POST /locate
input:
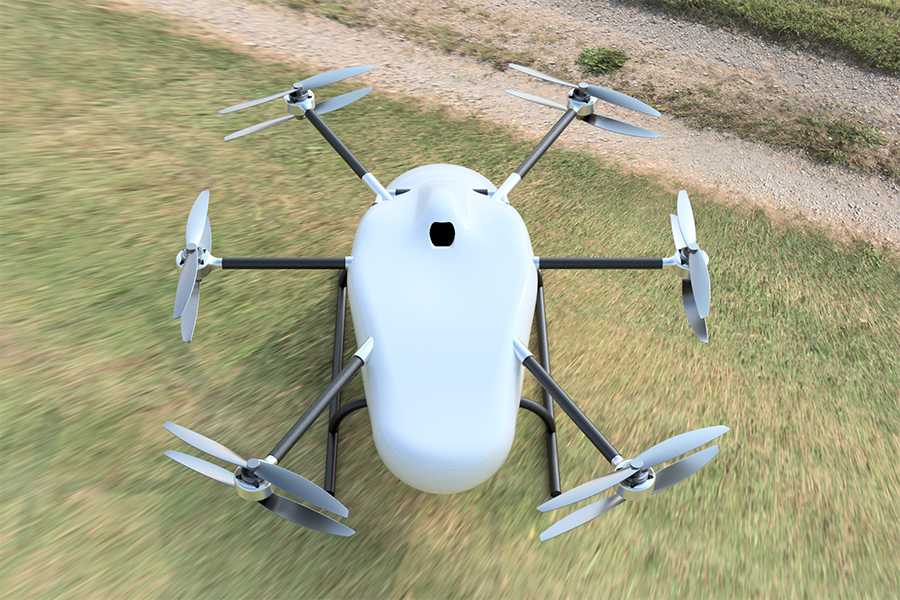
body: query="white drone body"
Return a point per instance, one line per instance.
(443, 288)
(442, 384)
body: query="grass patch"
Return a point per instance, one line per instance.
(802, 363)
(866, 31)
(451, 41)
(436, 36)
(600, 60)
(351, 13)
(825, 137)
(836, 141)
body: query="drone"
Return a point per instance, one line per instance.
(443, 288)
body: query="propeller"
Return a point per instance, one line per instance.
(259, 127)
(321, 108)
(290, 482)
(601, 93)
(282, 478)
(537, 100)
(310, 83)
(695, 290)
(690, 309)
(326, 106)
(281, 506)
(197, 245)
(595, 120)
(619, 127)
(636, 477)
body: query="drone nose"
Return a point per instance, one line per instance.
(442, 234)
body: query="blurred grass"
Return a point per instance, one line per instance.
(109, 132)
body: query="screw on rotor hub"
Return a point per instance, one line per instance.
(638, 478)
(639, 485)
(248, 474)
(580, 93)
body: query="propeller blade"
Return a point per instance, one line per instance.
(586, 490)
(305, 517)
(676, 233)
(204, 444)
(256, 102)
(298, 486)
(259, 127)
(620, 99)
(686, 218)
(322, 79)
(326, 106)
(201, 466)
(619, 127)
(186, 283)
(536, 100)
(684, 468)
(196, 222)
(680, 444)
(540, 75)
(700, 282)
(206, 238)
(690, 309)
(189, 316)
(582, 516)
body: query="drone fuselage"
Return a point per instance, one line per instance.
(443, 279)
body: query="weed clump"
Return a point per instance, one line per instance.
(601, 60)
(837, 141)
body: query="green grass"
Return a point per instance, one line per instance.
(867, 31)
(600, 60)
(109, 132)
(823, 136)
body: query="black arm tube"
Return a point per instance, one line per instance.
(580, 419)
(545, 143)
(331, 447)
(337, 144)
(600, 263)
(318, 407)
(540, 314)
(284, 263)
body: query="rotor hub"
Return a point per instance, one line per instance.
(640, 485)
(581, 102)
(250, 486)
(204, 259)
(299, 102)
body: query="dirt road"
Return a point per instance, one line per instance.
(667, 52)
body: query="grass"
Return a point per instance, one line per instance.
(440, 37)
(600, 60)
(867, 31)
(451, 41)
(823, 136)
(351, 13)
(97, 184)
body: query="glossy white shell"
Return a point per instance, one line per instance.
(442, 384)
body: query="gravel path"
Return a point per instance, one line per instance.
(674, 54)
